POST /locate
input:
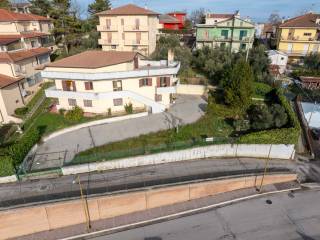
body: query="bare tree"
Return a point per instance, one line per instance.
(198, 16)
(274, 18)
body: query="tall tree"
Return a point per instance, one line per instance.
(259, 62)
(198, 16)
(239, 88)
(40, 7)
(95, 7)
(5, 4)
(274, 18)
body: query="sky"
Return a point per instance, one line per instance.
(258, 10)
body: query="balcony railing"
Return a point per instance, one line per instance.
(135, 28)
(301, 39)
(108, 42)
(105, 28)
(136, 42)
(220, 39)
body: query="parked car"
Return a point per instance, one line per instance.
(315, 132)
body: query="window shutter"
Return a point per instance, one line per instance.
(140, 82)
(86, 85)
(74, 86)
(158, 81)
(168, 81)
(64, 85)
(149, 81)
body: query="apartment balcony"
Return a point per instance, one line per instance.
(224, 39)
(300, 39)
(136, 43)
(105, 28)
(295, 53)
(169, 89)
(108, 42)
(134, 28)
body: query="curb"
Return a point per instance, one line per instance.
(174, 216)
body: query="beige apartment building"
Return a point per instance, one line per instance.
(129, 28)
(104, 81)
(25, 46)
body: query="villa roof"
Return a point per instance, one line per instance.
(220, 15)
(15, 37)
(22, 54)
(8, 40)
(309, 79)
(94, 59)
(7, 16)
(164, 18)
(307, 20)
(7, 80)
(129, 9)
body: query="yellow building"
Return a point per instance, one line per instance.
(129, 28)
(299, 36)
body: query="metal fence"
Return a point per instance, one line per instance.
(148, 149)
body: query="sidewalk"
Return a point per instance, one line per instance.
(149, 215)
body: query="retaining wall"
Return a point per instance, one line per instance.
(189, 89)
(25, 221)
(223, 150)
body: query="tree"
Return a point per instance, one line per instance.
(182, 54)
(312, 61)
(259, 62)
(5, 4)
(260, 117)
(239, 88)
(40, 7)
(94, 8)
(279, 115)
(274, 18)
(198, 16)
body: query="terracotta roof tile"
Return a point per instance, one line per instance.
(309, 79)
(7, 16)
(129, 9)
(94, 59)
(168, 19)
(7, 80)
(307, 20)
(23, 54)
(8, 40)
(4, 38)
(220, 15)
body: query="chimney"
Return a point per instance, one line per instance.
(170, 56)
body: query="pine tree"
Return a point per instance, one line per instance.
(239, 88)
(5, 4)
(40, 7)
(95, 7)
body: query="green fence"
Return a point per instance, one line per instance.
(148, 149)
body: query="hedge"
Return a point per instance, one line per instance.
(14, 154)
(287, 135)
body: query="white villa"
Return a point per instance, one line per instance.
(102, 81)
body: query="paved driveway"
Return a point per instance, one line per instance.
(55, 151)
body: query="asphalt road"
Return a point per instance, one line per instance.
(33, 191)
(286, 217)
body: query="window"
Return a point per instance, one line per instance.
(158, 98)
(113, 46)
(145, 82)
(138, 37)
(206, 34)
(69, 85)
(224, 34)
(307, 34)
(123, 36)
(88, 85)
(108, 23)
(243, 34)
(163, 82)
(109, 36)
(72, 102)
(122, 21)
(33, 44)
(243, 46)
(31, 82)
(137, 24)
(215, 21)
(87, 103)
(117, 85)
(117, 102)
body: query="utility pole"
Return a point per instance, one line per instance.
(265, 169)
(85, 206)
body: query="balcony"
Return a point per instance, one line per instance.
(136, 43)
(105, 28)
(300, 39)
(170, 89)
(108, 42)
(134, 28)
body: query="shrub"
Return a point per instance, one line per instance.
(287, 135)
(109, 112)
(75, 114)
(62, 111)
(6, 166)
(261, 89)
(21, 111)
(128, 108)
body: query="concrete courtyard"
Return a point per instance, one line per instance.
(61, 149)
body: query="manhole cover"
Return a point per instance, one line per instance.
(268, 201)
